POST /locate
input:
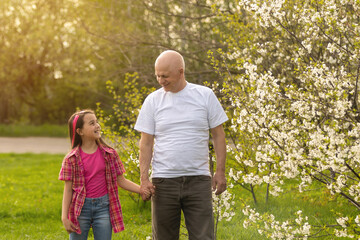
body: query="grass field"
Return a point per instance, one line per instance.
(45, 130)
(30, 204)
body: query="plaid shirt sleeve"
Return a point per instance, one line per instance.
(119, 167)
(66, 170)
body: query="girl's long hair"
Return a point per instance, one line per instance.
(80, 124)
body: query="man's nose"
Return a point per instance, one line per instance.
(161, 80)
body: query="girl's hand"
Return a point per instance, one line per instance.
(146, 196)
(147, 190)
(69, 226)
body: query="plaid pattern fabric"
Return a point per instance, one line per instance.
(72, 169)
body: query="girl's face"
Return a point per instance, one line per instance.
(91, 129)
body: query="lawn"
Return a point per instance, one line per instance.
(45, 130)
(30, 204)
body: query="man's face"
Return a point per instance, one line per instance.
(169, 78)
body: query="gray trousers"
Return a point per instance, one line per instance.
(192, 195)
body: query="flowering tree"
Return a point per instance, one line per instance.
(117, 126)
(291, 72)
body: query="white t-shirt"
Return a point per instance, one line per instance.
(180, 123)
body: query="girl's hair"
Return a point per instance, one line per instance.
(79, 118)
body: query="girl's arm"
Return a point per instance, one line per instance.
(69, 226)
(127, 184)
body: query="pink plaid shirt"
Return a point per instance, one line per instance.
(72, 169)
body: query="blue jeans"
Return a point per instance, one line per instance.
(95, 214)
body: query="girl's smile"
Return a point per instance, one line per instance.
(91, 129)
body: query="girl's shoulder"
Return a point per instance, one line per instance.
(71, 156)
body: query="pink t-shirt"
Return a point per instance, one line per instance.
(94, 172)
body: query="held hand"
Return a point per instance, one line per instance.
(219, 183)
(147, 189)
(69, 226)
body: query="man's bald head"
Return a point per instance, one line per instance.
(170, 71)
(170, 59)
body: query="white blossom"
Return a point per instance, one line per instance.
(293, 100)
(342, 221)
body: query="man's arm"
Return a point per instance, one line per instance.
(145, 155)
(219, 179)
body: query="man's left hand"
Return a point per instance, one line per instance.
(219, 183)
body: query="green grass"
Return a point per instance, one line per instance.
(317, 204)
(31, 195)
(45, 130)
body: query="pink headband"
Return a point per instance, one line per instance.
(74, 129)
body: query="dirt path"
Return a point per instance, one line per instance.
(34, 145)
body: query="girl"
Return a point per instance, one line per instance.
(91, 171)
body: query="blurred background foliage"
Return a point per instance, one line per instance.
(57, 55)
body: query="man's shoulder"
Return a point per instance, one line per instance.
(199, 87)
(155, 93)
(152, 98)
(200, 90)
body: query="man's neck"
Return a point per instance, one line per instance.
(182, 85)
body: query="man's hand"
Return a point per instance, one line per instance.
(219, 183)
(147, 190)
(219, 179)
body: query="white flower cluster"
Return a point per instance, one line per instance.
(298, 228)
(222, 206)
(342, 221)
(262, 116)
(345, 222)
(357, 220)
(134, 159)
(235, 175)
(343, 233)
(295, 100)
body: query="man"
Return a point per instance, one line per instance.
(177, 118)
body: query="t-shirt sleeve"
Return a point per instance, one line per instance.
(216, 114)
(66, 170)
(145, 121)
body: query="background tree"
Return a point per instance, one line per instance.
(57, 55)
(45, 64)
(291, 72)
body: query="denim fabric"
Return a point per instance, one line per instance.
(190, 194)
(95, 214)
